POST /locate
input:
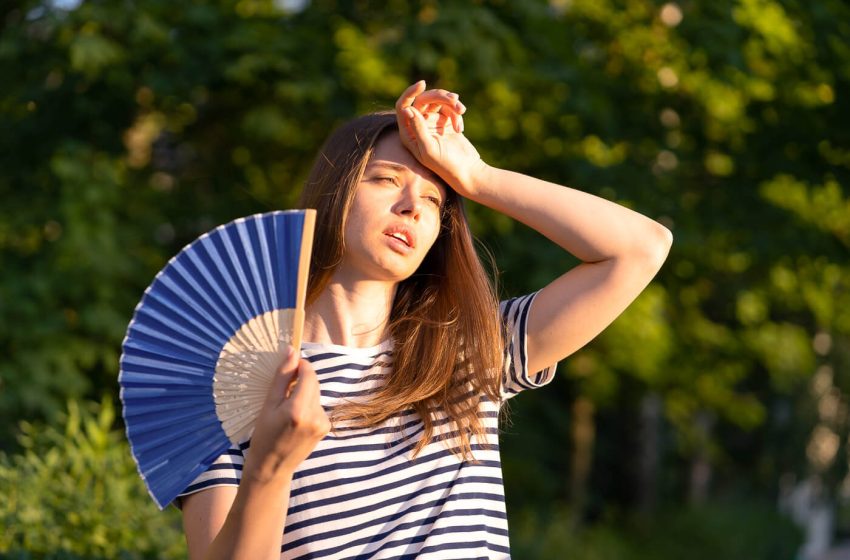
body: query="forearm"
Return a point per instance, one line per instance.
(621, 252)
(254, 526)
(250, 522)
(591, 228)
(246, 523)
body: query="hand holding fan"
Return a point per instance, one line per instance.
(205, 341)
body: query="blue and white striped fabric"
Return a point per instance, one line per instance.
(359, 495)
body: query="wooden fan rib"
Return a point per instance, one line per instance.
(238, 422)
(304, 255)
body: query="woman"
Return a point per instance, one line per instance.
(412, 358)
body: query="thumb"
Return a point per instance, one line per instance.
(283, 377)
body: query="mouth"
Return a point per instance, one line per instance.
(403, 235)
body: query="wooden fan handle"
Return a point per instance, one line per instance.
(303, 271)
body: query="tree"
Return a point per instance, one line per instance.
(126, 131)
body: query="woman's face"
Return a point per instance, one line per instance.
(394, 218)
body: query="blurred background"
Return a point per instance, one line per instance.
(709, 422)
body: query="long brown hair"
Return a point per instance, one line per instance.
(447, 345)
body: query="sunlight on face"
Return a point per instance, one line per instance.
(395, 216)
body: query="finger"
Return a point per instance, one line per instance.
(283, 377)
(442, 119)
(307, 387)
(439, 97)
(304, 406)
(457, 122)
(408, 95)
(435, 95)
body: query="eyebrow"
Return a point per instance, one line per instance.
(403, 168)
(395, 166)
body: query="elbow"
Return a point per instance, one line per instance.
(666, 239)
(655, 246)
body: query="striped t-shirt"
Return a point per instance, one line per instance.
(359, 494)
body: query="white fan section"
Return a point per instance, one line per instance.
(245, 368)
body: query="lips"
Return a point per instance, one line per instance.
(403, 234)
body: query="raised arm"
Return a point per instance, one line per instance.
(621, 250)
(248, 523)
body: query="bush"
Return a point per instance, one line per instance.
(76, 493)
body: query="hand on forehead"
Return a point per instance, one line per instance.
(390, 151)
(436, 105)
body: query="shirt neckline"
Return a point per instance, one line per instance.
(316, 347)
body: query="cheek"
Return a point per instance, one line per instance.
(352, 230)
(355, 220)
(434, 233)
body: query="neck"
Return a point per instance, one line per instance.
(350, 313)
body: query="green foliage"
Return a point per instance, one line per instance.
(74, 492)
(128, 129)
(735, 531)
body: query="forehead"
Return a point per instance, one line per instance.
(390, 152)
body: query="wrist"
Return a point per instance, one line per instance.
(472, 183)
(266, 473)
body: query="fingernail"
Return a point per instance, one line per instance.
(289, 351)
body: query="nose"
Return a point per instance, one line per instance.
(409, 203)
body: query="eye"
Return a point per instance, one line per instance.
(437, 202)
(387, 179)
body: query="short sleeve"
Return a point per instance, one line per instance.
(515, 375)
(226, 470)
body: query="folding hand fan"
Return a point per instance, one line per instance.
(205, 341)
